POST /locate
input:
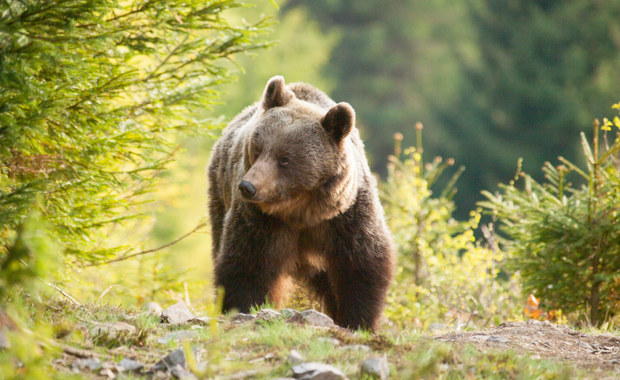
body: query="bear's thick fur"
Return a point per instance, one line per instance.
(291, 197)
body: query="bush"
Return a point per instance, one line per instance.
(444, 274)
(565, 238)
(93, 97)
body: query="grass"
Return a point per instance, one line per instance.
(263, 346)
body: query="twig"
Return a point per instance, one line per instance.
(54, 286)
(61, 292)
(199, 226)
(78, 352)
(105, 292)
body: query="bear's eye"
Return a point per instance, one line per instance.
(282, 162)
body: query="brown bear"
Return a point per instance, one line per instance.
(291, 197)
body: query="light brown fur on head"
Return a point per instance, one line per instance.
(293, 138)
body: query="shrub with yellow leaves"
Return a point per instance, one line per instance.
(445, 275)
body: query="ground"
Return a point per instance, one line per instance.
(94, 340)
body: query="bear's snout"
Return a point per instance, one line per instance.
(247, 189)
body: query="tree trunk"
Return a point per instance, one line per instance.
(594, 298)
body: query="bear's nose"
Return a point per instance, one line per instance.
(247, 189)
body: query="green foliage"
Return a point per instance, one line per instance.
(391, 61)
(497, 79)
(29, 253)
(540, 71)
(93, 95)
(301, 50)
(444, 274)
(565, 238)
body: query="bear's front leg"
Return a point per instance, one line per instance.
(250, 265)
(361, 269)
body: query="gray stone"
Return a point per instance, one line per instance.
(129, 365)
(585, 346)
(242, 317)
(176, 357)
(267, 315)
(114, 329)
(107, 372)
(313, 318)
(478, 338)
(294, 358)
(317, 371)
(377, 368)
(153, 308)
(178, 336)
(497, 339)
(330, 341)
(178, 372)
(91, 364)
(287, 313)
(202, 321)
(177, 314)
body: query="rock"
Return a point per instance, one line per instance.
(176, 357)
(287, 313)
(478, 338)
(178, 372)
(153, 308)
(129, 365)
(107, 372)
(114, 329)
(242, 317)
(267, 357)
(585, 346)
(91, 364)
(357, 347)
(177, 314)
(313, 318)
(377, 368)
(330, 341)
(202, 321)
(497, 339)
(267, 315)
(294, 358)
(178, 336)
(317, 371)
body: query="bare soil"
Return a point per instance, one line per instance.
(546, 340)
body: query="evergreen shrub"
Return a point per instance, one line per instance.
(563, 234)
(94, 97)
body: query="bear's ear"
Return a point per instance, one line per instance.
(276, 93)
(339, 121)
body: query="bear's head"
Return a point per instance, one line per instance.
(297, 157)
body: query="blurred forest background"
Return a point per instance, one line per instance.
(108, 111)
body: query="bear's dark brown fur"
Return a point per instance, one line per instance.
(292, 198)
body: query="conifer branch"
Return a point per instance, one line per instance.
(122, 258)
